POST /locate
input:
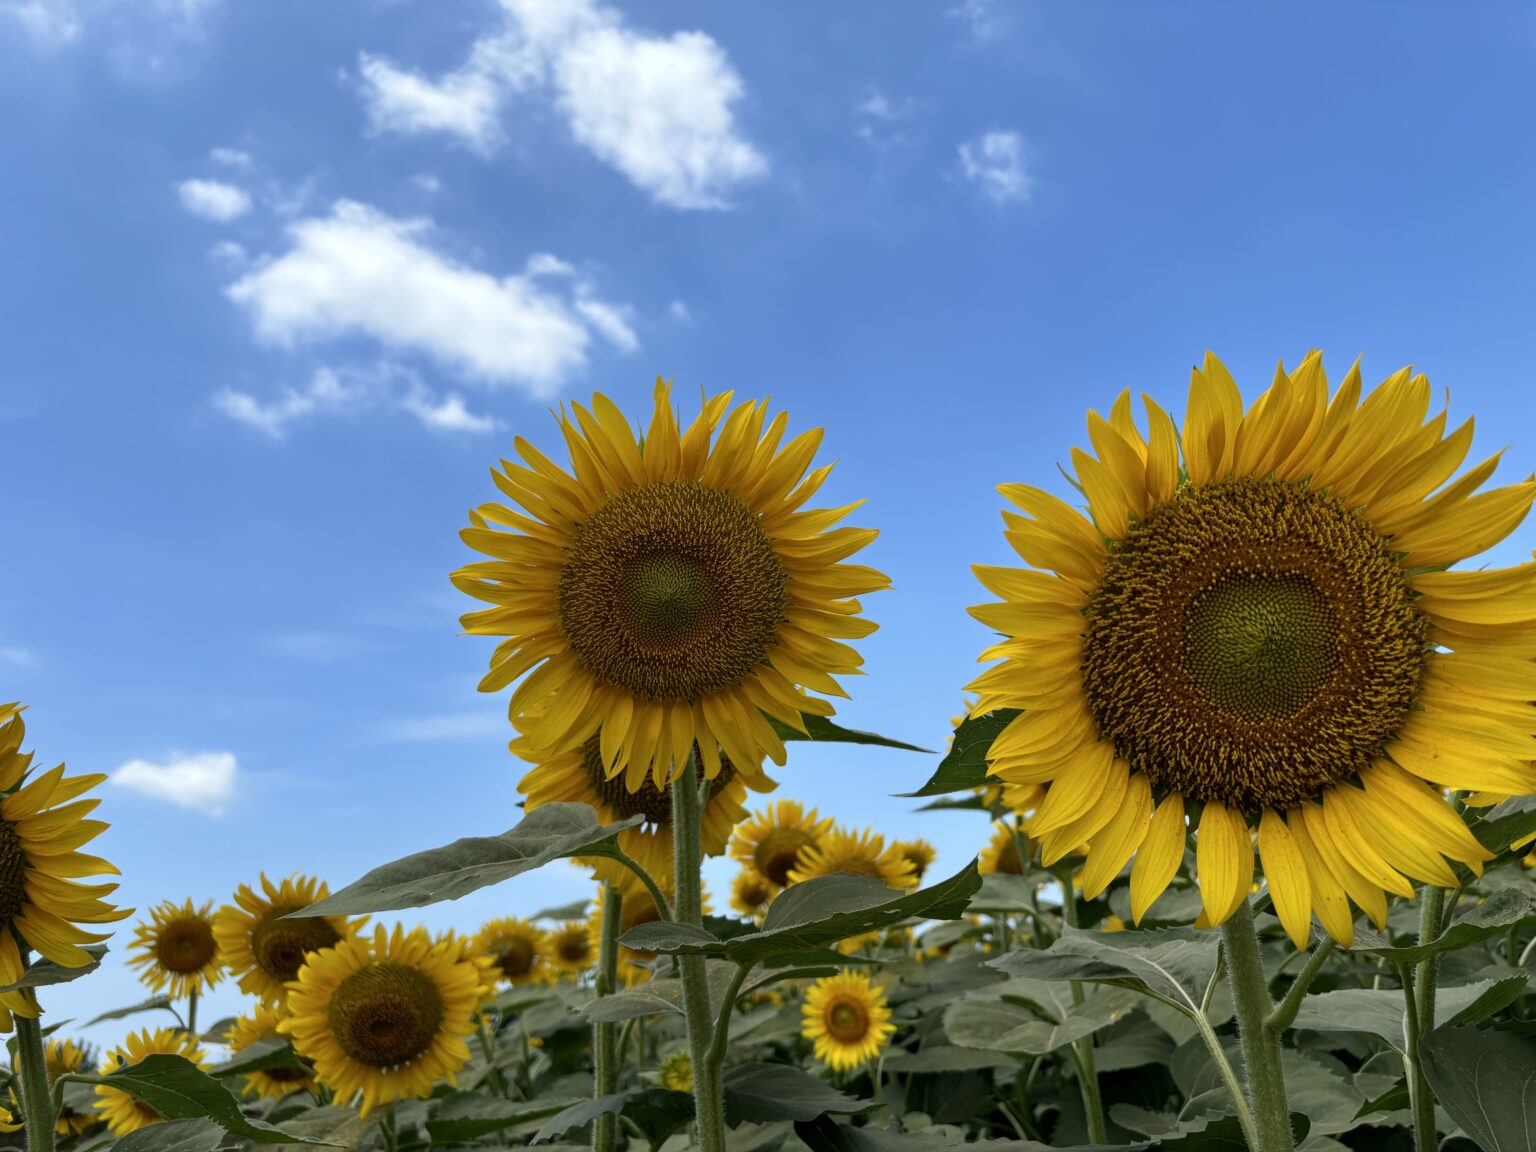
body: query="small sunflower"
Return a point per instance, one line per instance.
(752, 892)
(122, 1112)
(385, 1018)
(1002, 851)
(672, 592)
(677, 1072)
(264, 951)
(176, 951)
(847, 1018)
(771, 841)
(571, 948)
(268, 1083)
(920, 854)
(637, 909)
(63, 1056)
(1254, 630)
(519, 949)
(40, 830)
(857, 853)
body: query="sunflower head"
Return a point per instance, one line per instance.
(669, 589)
(1254, 628)
(1002, 851)
(122, 1112)
(518, 948)
(919, 853)
(847, 1019)
(176, 951)
(636, 909)
(752, 892)
(772, 840)
(268, 1083)
(571, 946)
(855, 853)
(262, 949)
(677, 1072)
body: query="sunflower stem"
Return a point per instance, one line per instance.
(657, 896)
(1419, 1017)
(1285, 1012)
(605, 1082)
(36, 1101)
(708, 1104)
(192, 1011)
(1261, 1043)
(1082, 1050)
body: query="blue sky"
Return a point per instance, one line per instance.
(280, 281)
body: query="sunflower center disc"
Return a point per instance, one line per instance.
(185, 946)
(672, 591)
(847, 1021)
(280, 946)
(1252, 642)
(13, 873)
(573, 948)
(654, 803)
(777, 852)
(385, 1015)
(516, 958)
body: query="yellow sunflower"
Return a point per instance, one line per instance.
(847, 1018)
(639, 908)
(571, 948)
(269, 1083)
(752, 892)
(1253, 628)
(176, 951)
(672, 592)
(858, 853)
(677, 1072)
(385, 1018)
(578, 776)
(1002, 851)
(8, 1122)
(122, 1112)
(63, 1056)
(519, 949)
(40, 830)
(264, 951)
(772, 840)
(920, 854)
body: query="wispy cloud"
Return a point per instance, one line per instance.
(232, 158)
(982, 18)
(878, 118)
(351, 391)
(202, 781)
(214, 200)
(57, 23)
(17, 656)
(446, 727)
(995, 163)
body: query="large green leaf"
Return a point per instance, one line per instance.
(823, 731)
(173, 1136)
(1486, 1080)
(465, 1116)
(549, 832)
(965, 764)
(45, 972)
(1032, 1018)
(1492, 917)
(1380, 1011)
(761, 1093)
(161, 1003)
(268, 1052)
(1503, 824)
(655, 1110)
(1175, 964)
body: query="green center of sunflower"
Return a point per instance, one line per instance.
(654, 803)
(847, 1021)
(385, 1015)
(280, 946)
(516, 957)
(777, 853)
(185, 945)
(1252, 642)
(672, 591)
(13, 873)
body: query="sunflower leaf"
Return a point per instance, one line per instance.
(45, 972)
(161, 1003)
(173, 1136)
(1492, 917)
(268, 1052)
(762, 1093)
(657, 1111)
(822, 731)
(550, 832)
(1505, 823)
(965, 764)
(1172, 964)
(1379, 1011)
(1486, 1080)
(1048, 1023)
(464, 1116)
(666, 937)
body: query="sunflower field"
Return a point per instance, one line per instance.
(1249, 764)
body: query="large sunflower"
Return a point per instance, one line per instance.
(267, 1083)
(1253, 628)
(856, 853)
(672, 591)
(385, 1019)
(262, 949)
(40, 830)
(847, 1018)
(176, 951)
(771, 842)
(123, 1112)
(519, 949)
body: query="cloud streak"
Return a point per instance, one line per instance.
(203, 781)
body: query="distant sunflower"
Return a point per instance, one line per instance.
(677, 1072)
(268, 1083)
(264, 951)
(671, 592)
(1002, 851)
(856, 853)
(520, 949)
(847, 1018)
(122, 1112)
(920, 854)
(772, 840)
(176, 951)
(571, 948)
(1253, 628)
(639, 908)
(385, 1019)
(63, 1056)
(752, 892)
(40, 830)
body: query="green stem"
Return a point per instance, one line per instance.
(387, 1128)
(722, 1033)
(1261, 1043)
(1284, 1014)
(192, 1011)
(1228, 1075)
(657, 896)
(605, 1129)
(32, 1078)
(708, 1103)
(1419, 1018)
(488, 1049)
(1082, 1050)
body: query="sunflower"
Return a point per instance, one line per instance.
(772, 840)
(40, 830)
(1254, 629)
(122, 1112)
(268, 1083)
(176, 951)
(920, 854)
(385, 1018)
(671, 592)
(858, 853)
(637, 909)
(262, 949)
(578, 776)
(1002, 851)
(847, 1018)
(677, 1072)
(8, 1122)
(752, 892)
(63, 1056)
(520, 950)
(571, 948)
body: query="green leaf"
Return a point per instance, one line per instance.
(1000, 1023)
(1005, 892)
(45, 972)
(575, 910)
(761, 1093)
(1504, 823)
(177, 1089)
(153, 1004)
(549, 832)
(1175, 964)
(648, 999)
(173, 1136)
(945, 1058)
(673, 939)
(1486, 1080)
(826, 1135)
(1393, 1099)
(1492, 917)
(269, 1052)
(955, 804)
(823, 731)
(653, 1109)
(965, 764)
(464, 1116)
(1380, 1011)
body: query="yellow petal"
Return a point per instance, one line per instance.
(1160, 855)
(1286, 871)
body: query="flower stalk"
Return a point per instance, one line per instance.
(1264, 1072)
(605, 1129)
(688, 908)
(32, 1077)
(1419, 1017)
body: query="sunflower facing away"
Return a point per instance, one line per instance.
(124, 1113)
(772, 840)
(920, 854)
(265, 951)
(267, 1083)
(518, 948)
(571, 947)
(385, 1018)
(847, 1018)
(1253, 628)
(673, 591)
(1002, 851)
(752, 892)
(856, 853)
(176, 951)
(41, 827)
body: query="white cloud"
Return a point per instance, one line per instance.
(346, 392)
(446, 415)
(48, 22)
(450, 726)
(231, 158)
(324, 394)
(428, 183)
(55, 23)
(658, 109)
(994, 162)
(16, 656)
(229, 254)
(680, 312)
(358, 272)
(982, 18)
(203, 781)
(608, 321)
(214, 200)
(877, 118)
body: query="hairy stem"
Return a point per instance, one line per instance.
(605, 1129)
(1261, 1043)
(32, 1079)
(1082, 1050)
(1419, 1018)
(1284, 1014)
(708, 1104)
